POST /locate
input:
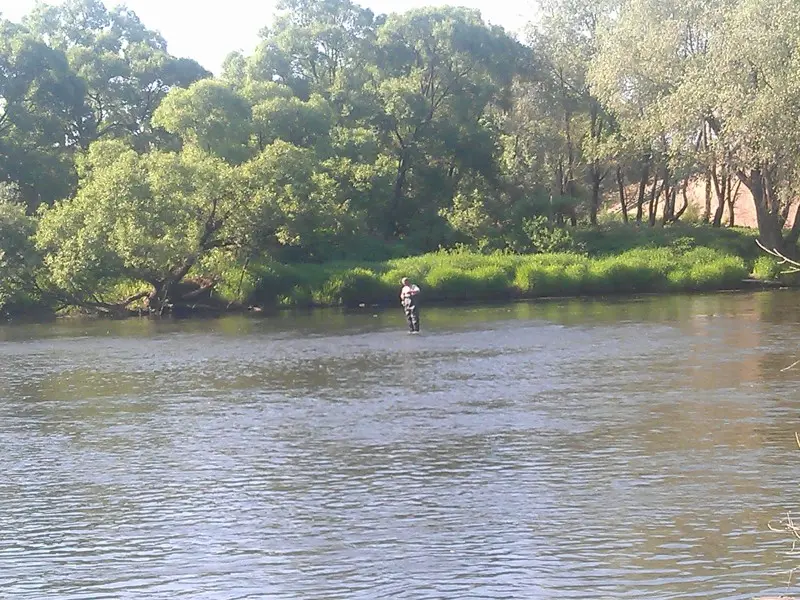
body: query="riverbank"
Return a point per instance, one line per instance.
(459, 276)
(612, 260)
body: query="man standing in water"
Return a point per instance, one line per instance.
(408, 296)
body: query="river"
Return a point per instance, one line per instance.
(629, 448)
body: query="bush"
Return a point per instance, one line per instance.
(535, 279)
(353, 287)
(767, 268)
(576, 277)
(490, 281)
(611, 275)
(461, 275)
(448, 283)
(616, 238)
(545, 237)
(273, 282)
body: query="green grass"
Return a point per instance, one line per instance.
(466, 276)
(615, 238)
(767, 268)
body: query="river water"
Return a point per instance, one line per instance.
(567, 449)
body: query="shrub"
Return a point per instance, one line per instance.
(448, 283)
(575, 278)
(354, 286)
(490, 281)
(543, 236)
(461, 275)
(537, 279)
(767, 268)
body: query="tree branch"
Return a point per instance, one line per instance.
(784, 260)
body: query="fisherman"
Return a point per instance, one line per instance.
(408, 296)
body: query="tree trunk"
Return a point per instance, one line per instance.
(721, 199)
(732, 193)
(622, 200)
(595, 202)
(685, 200)
(673, 194)
(642, 187)
(596, 129)
(721, 189)
(655, 193)
(393, 227)
(769, 229)
(794, 232)
(556, 213)
(717, 222)
(707, 207)
(669, 199)
(570, 182)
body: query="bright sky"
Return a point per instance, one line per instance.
(207, 31)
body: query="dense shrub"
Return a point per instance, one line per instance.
(544, 236)
(454, 276)
(767, 268)
(448, 283)
(616, 238)
(353, 287)
(490, 282)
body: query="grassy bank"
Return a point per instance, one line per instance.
(612, 259)
(457, 276)
(615, 238)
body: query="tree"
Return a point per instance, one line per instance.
(316, 46)
(302, 211)
(143, 217)
(753, 92)
(209, 115)
(39, 97)
(18, 257)
(125, 66)
(439, 72)
(716, 90)
(278, 114)
(566, 43)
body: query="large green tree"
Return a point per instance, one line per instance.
(125, 66)
(147, 218)
(440, 71)
(320, 46)
(19, 260)
(40, 96)
(565, 42)
(711, 86)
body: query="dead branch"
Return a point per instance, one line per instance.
(203, 288)
(787, 525)
(784, 260)
(791, 366)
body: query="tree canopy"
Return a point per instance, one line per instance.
(345, 132)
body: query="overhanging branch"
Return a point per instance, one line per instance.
(784, 260)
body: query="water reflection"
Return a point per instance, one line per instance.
(577, 448)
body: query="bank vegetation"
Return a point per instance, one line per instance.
(351, 148)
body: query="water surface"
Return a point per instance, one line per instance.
(577, 449)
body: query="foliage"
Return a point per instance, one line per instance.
(716, 92)
(18, 258)
(612, 239)
(464, 276)
(144, 217)
(360, 140)
(543, 236)
(769, 268)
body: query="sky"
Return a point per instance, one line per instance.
(202, 31)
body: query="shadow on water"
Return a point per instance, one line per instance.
(618, 448)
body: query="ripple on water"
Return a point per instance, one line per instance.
(500, 458)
